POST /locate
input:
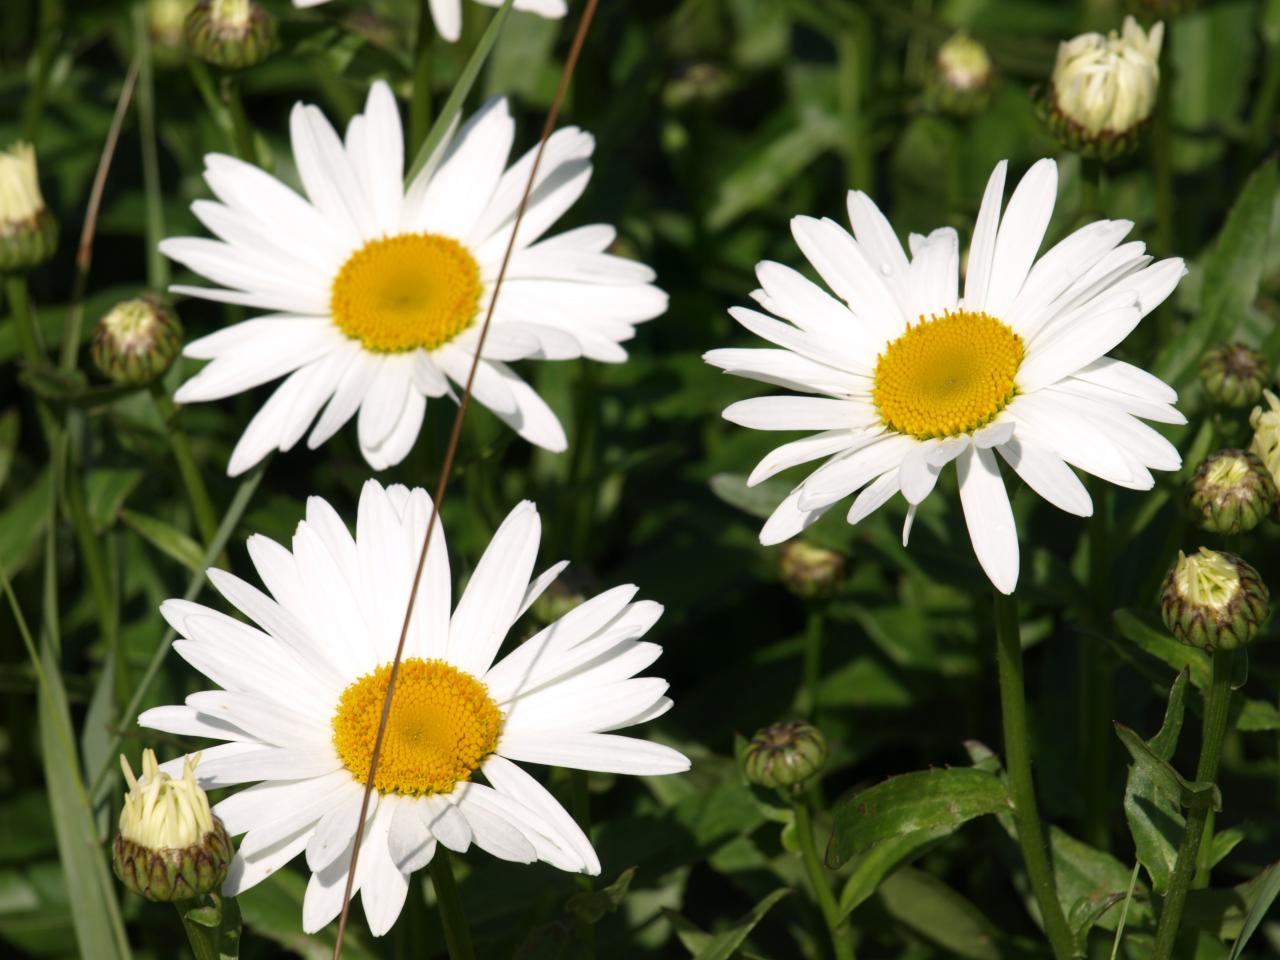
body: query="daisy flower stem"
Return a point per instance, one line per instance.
(1162, 144)
(580, 806)
(420, 105)
(815, 629)
(854, 53)
(1217, 707)
(201, 505)
(1097, 677)
(242, 132)
(837, 926)
(201, 938)
(457, 934)
(24, 327)
(1013, 708)
(157, 265)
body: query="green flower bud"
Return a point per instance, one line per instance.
(785, 755)
(232, 34)
(28, 231)
(137, 341)
(166, 21)
(1214, 600)
(1231, 492)
(963, 77)
(1103, 90)
(170, 845)
(1234, 375)
(1266, 434)
(809, 571)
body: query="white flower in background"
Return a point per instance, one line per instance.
(378, 290)
(1107, 85)
(447, 14)
(301, 699)
(910, 375)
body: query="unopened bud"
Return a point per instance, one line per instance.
(1234, 375)
(137, 341)
(785, 755)
(809, 571)
(1231, 492)
(170, 845)
(1214, 600)
(28, 231)
(1266, 434)
(963, 77)
(232, 34)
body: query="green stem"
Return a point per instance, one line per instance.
(420, 105)
(853, 54)
(457, 935)
(47, 46)
(242, 132)
(1090, 187)
(1265, 104)
(815, 630)
(1097, 676)
(157, 265)
(580, 802)
(203, 80)
(1162, 160)
(24, 329)
(201, 505)
(1013, 708)
(202, 939)
(837, 926)
(1217, 706)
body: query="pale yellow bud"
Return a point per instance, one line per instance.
(1106, 85)
(20, 199)
(161, 812)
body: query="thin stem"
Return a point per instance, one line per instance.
(853, 54)
(457, 935)
(580, 802)
(1013, 708)
(201, 505)
(201, 938)
(24, 328)
(1217, 706)
(157, 265)
(242, 133)
(203, 80)
(1263, 119)
(815, 630)
(1162, 157)
(837, 927)
(420, 105)
(1097, 676)
(47, 46)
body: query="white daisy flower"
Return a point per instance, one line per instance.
(302, 696)
(447, 14)
(379, 290)
(910, 375)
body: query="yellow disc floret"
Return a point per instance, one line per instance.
(407, 291)
(442, 726)
(947, 375)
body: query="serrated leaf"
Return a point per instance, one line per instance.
(912, 802)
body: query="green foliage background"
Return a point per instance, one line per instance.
(716, 121)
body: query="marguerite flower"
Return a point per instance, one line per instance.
(379, 290)
(447, 14)
(911, 375)
(301, 698)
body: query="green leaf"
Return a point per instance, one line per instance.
(106, 490)
(1232, 272)
(8, 442)
(590, 906)
(453, 105)
(22, 524)
(1087, 912)
(884, 858)
(1190, 793)
(935, 911)
(723, 945)
(758, 501)
(273, 909)
(912, 802)
(167, 539)
(213, 927)
(1266, 891)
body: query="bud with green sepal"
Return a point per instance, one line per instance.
(137, 341)
(1234, 375)
(963, 77)
(170, 846)
(1214, 600)
(232, 34)
(1266, 434)
(810, 571)
(785, 755)
(1103, 90)
(1231, 492)
(28, 231)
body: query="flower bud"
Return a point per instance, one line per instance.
(1234, 375)
(1214, 600)
(170, 845)
(809, 571)
(963, 77)
(1231, 492)
(137, 341)
(785, 755)
(1266, 434)
(28, 232)
(1103, 90)
(232, 34)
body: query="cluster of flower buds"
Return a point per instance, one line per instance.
(170, 845)
(1234, 375)
(28, 231)
(1104, 89)
(963, 77)
(137, 341)
(1214, 600)
(1231, 492)
(785, 755)
(232, 34)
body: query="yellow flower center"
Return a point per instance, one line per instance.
(404, 292)
(947, 375)
(442, 726)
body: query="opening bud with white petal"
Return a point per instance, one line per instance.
(137, 341)
(785, 755)
(170, 845)
(963, 77)
(1104, 88)
(1266, 434)
(232, 34)
(28, 231)
(1231, 492)
(1234, 375)
(1214, 600)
